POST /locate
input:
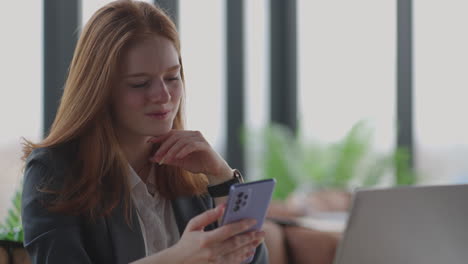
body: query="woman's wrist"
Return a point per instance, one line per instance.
(225, 174)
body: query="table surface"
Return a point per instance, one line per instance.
(328, 222)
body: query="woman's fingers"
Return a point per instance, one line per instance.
(158, 139)
(169, 141)
(227, 231)
(240, 254)
(188, 149)
(166, 144)
(184, 144)
(174, 149)
(236, 242)
(227, 244)
(200, 221)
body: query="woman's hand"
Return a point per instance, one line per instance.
(225, 244)
(190, 151)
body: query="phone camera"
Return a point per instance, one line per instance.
(241, 201)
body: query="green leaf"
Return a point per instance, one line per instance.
(279, 159)
(11, 228)
(350, 162)
(404, 174)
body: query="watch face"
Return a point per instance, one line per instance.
(238, 176)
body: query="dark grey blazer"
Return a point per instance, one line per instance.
(58, 238)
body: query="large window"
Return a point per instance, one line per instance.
(21, 92)
(346, 56)
(88, 7)
(202, 29)
(441, 81)
(256, 70)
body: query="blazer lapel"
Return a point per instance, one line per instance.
(127, 241)
(185, 208)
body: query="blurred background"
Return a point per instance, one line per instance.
(318, 94)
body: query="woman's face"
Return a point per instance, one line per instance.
(147, 96)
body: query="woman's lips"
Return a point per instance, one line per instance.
(159, 115)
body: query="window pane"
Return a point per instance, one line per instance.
(88, 7)
(21, 93)
(346, 55)
(202, 32)
(440, 79)
(347, 69)
(257, 95)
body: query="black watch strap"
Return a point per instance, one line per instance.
(222, 189)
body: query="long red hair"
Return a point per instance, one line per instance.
(99, 175)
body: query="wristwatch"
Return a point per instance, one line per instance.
(222, 189)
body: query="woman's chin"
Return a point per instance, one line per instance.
(158, 132)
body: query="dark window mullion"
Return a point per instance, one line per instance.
(405, 79)
(61, 21)
(235, 82)
(283, 71)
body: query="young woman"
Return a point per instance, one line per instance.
(118, 179)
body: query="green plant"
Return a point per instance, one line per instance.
(350, 162)
(280, 161)
(11, 229)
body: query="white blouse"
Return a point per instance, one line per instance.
(155, 214)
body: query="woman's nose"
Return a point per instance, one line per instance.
(158, 92)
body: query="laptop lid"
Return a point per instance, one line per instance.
(418, 225)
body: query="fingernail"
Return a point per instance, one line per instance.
(260, 234)
(257, 242)
(220, 207)
(162, 161)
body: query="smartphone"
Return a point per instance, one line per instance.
(249, 201)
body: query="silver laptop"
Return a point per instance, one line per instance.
(417, 225)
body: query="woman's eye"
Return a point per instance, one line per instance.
(175, 78)
(139, 85)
